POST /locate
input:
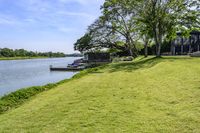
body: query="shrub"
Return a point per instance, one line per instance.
(16, 98)
(195, 54)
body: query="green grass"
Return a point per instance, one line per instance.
(17, 98)
(19, 58)
(147, 95)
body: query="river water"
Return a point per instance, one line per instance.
(17, 74)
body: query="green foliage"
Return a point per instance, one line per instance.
(6, 52)
(162, 19)
(115, 25)
(83, 44)
(17, 98)
(21, 58)
(119, 17)
(133, 21)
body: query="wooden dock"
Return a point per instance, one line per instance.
(72, 69)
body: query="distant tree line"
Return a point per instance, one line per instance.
(6, 52)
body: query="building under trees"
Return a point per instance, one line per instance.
(185, 45)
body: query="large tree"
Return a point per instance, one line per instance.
(99, 36)
(84, 43)
(164, 18)
(119, 18)
(124, 22)
(105, 37)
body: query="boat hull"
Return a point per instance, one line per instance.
(66, 69)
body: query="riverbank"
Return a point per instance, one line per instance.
(147, 95)
(21, 58)
(17, 98)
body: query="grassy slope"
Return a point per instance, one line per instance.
(154, 95)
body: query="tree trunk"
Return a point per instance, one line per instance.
(131, 52)
(146, 49)
(158, 40)
(158, 49)
(159, 45)
(131, 47)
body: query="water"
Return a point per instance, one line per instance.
(17, 74)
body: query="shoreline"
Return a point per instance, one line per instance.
(15, 99)
(20, 58)
(27, 58)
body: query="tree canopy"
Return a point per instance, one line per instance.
(125, 23)
(6, 52)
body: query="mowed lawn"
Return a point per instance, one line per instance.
(147, 95)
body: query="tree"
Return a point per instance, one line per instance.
(84, 43)
(145, 34)
(6, 52)
(163, 18)
(98, 37)
(21, 52)
(146, 40)
(125, 22)
(103, 37)
(119, 18)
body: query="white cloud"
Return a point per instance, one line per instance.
(83, 2)
(79, 14)
(8, 20)
(67, 29)
(35, 5)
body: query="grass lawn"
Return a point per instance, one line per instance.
(147, 95)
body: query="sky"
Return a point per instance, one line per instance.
(45, 25)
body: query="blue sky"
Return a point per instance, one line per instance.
(45, 25)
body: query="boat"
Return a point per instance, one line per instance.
(65, 69)
(70, 67)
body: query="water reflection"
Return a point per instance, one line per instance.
(16, 74)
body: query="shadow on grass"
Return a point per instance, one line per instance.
(142, 63)
(176, 57)
(96, 72)
(130, 66)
